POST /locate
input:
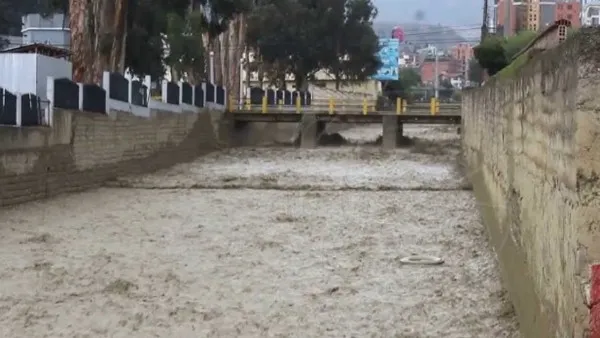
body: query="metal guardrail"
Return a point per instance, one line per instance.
(348, 106)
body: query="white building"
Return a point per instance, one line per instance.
(590, 12)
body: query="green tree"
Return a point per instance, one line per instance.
(475, 72)
(514, 44)
(446, 89)
(216, 14)
(283, 33)
(143, 30)
(300, 37)
(495, 53)
(354, 45)
(408, 79)
(186, 55)
(490, 54)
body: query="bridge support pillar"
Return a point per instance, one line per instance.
(392, 131)
(309, 131)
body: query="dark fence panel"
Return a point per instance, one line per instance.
(172, 93)
(220, 92)
(303, 98)
(8, 110)
(119, 87)
(186, 93)
(1, 104)
(94, 99)
(271, 97)
(256, 95)
(308, 98)
(139, 93)
(66, 94)
(210, 92)
(295, 96)
(287, 98)
(198, 96)
(31, 110)
(279, 96)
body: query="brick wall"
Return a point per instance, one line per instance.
(84, 150)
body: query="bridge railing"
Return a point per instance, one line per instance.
(341, 105)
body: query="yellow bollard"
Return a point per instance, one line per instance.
(298, 105)
(280, 103)
(432, 106)
(404, 103)
(264, 104)
(365, 107)
(331, 105)
(248, 104)
(437, 107)
(398, 106)
(231, 103)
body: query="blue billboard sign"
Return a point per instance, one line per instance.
(389, 52)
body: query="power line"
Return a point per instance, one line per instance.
(444, 31)
(438, 40)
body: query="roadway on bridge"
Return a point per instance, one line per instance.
(269, 242)
(349, 111)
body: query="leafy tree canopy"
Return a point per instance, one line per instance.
(516, 43)
(186, 54)
(354, 44)
(408, 79)
(490, 54)
(475, 71)
(495, 52)
(151, 23)
(300, 37)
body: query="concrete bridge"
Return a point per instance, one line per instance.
(313, 119)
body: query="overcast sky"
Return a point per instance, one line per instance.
(445, 12)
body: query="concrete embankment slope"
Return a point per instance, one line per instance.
(532, 146)
(83, 150)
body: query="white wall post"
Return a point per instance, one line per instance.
(129, 90)
(80, 85)
(180, 91)
(241, 93)
(106, 86)
(194, 96)
(212, 66)
(49, 113)
(19, 112)
(204, 96)
(148, 84)
(164, 91)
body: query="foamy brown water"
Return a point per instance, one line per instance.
(273, 242)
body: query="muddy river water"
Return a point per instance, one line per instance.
(261, 242)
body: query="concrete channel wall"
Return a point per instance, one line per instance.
(83, 150)
(531, 141)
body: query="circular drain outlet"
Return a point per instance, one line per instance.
(422, 260)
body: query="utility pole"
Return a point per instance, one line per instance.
(484, 24)
(467, 64)
(436, 82)
(484, 32)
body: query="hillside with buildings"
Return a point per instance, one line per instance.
(421, 34)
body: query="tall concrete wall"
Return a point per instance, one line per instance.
(82, 150)
(531, 140)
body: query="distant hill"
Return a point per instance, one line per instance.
(422, 34)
